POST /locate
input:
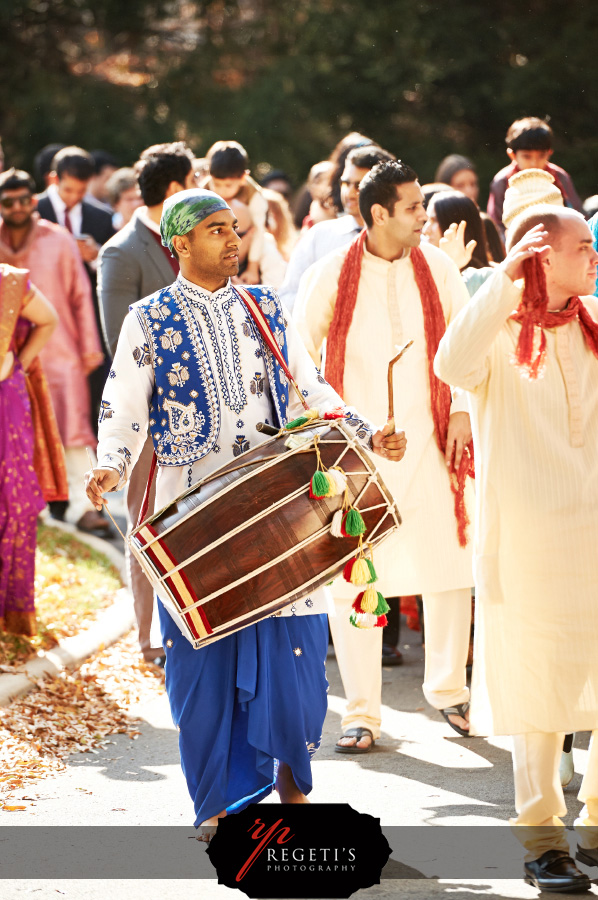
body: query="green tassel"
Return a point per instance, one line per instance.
(382, 607)
(296, 423)
(373, 575)
(319, 485)
(354, 524)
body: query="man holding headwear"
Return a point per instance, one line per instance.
(532, 378)
(258, 695)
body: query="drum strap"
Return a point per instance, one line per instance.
(266, 332)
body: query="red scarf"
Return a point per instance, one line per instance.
(434, 327)
(533, 313)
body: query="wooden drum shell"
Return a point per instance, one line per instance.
(249, 540)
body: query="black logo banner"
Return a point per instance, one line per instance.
(299, 850)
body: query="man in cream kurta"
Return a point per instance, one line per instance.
(424, 556)
(536, 565)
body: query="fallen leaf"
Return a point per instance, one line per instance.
(13, 808)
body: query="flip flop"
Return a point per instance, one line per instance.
(358, 734)
(458, 710)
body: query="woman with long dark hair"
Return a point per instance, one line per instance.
(455, 225)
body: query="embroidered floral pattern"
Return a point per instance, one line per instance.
(241, 445)
(106, 411)
(256, 385)
(141, 355)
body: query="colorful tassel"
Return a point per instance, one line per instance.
(363, 620)
(353, 523)
(357, 571)
(369, 609)
(297, 423)
(319, 486)
(340, 480)
(336, 413)
(312, 414)
(294, 441)
(336, 526)
(332, 488)
(373, 576)
(382, 607)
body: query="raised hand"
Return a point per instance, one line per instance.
(453, 244)
(533, 241)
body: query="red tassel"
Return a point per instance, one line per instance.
(532, 314)
(348, 569)
(382, 621)
(357, 603)
(458, 479)
(334, 414)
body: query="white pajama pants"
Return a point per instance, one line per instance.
(447, 618)
(539, 797)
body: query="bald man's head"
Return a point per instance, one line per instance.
(553, 218)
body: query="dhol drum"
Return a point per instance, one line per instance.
(248, 539)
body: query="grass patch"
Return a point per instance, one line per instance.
(72, 584)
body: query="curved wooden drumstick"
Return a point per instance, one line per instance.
(391, 408)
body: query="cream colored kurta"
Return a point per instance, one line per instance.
(424, 556)
(536, 559)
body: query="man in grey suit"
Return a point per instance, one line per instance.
(132, 265)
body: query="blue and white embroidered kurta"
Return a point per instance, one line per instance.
(258, 695)
(237, 377)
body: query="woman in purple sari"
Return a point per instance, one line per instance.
(21, 497)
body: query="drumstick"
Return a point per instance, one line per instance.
(105, 501)
(267, 429)
(391, 406)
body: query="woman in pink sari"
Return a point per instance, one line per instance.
(21, 497)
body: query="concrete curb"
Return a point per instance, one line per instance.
(110, 625)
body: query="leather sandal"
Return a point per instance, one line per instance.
(358, 734)
(458, 710)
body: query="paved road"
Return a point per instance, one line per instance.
(419, 774)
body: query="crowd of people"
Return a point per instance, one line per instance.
(358, 262)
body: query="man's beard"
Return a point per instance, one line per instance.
(17, 226)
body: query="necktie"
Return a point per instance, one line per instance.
(67, 221)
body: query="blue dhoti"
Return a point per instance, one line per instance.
(245, 702)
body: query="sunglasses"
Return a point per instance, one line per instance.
(9, 202)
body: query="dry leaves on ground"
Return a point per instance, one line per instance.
(72, 712)
(72, 584)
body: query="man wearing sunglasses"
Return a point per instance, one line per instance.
(52, 257)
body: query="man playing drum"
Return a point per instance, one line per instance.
(191, 365)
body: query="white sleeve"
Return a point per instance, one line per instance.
(316, 390)
(124, 411)
(463, 357)
(302, 257)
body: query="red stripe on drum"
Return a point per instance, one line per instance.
(179, 586)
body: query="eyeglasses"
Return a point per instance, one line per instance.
(347, 183)
(9, 202)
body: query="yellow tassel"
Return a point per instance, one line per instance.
(360, 574)
(339, 479)
(312, 414)
(332, 491)
(369, 601)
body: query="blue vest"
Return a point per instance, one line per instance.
(185, 408)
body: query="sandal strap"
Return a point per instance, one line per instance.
(458, 710)
(358, 733)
